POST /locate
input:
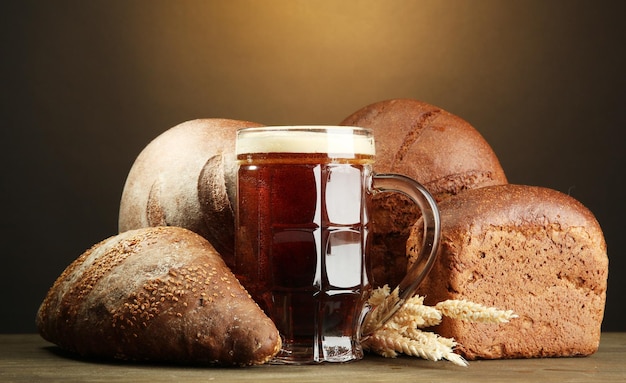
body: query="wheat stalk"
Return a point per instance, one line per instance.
(473, 312)
(403, 334)
(426, 345)
(382, 301)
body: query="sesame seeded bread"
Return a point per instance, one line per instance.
(156, 294)
(434, 147)
(529, 249)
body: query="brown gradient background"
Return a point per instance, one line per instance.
(87, 84)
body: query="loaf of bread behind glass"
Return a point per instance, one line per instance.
(440, 150)
(533, 250)
(186, 177)
(156, 294)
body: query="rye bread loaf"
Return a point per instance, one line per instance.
(186, 177)
(156, 294)
(434, 147)
(533, 250)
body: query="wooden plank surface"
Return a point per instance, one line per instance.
(28, 358)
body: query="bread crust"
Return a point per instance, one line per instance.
(530, 249)
(158, 294)
(185, 177)
(440, 150)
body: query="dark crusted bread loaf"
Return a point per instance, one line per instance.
(156, 294)
(529, 249)
(186, 177)
(434, 147)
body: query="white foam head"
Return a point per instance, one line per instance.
(340, 140)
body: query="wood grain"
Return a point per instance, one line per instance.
(29, 358)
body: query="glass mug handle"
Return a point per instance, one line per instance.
(377, 316)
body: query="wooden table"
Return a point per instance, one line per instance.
(28, 358)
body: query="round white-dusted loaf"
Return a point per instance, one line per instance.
(186, 177)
